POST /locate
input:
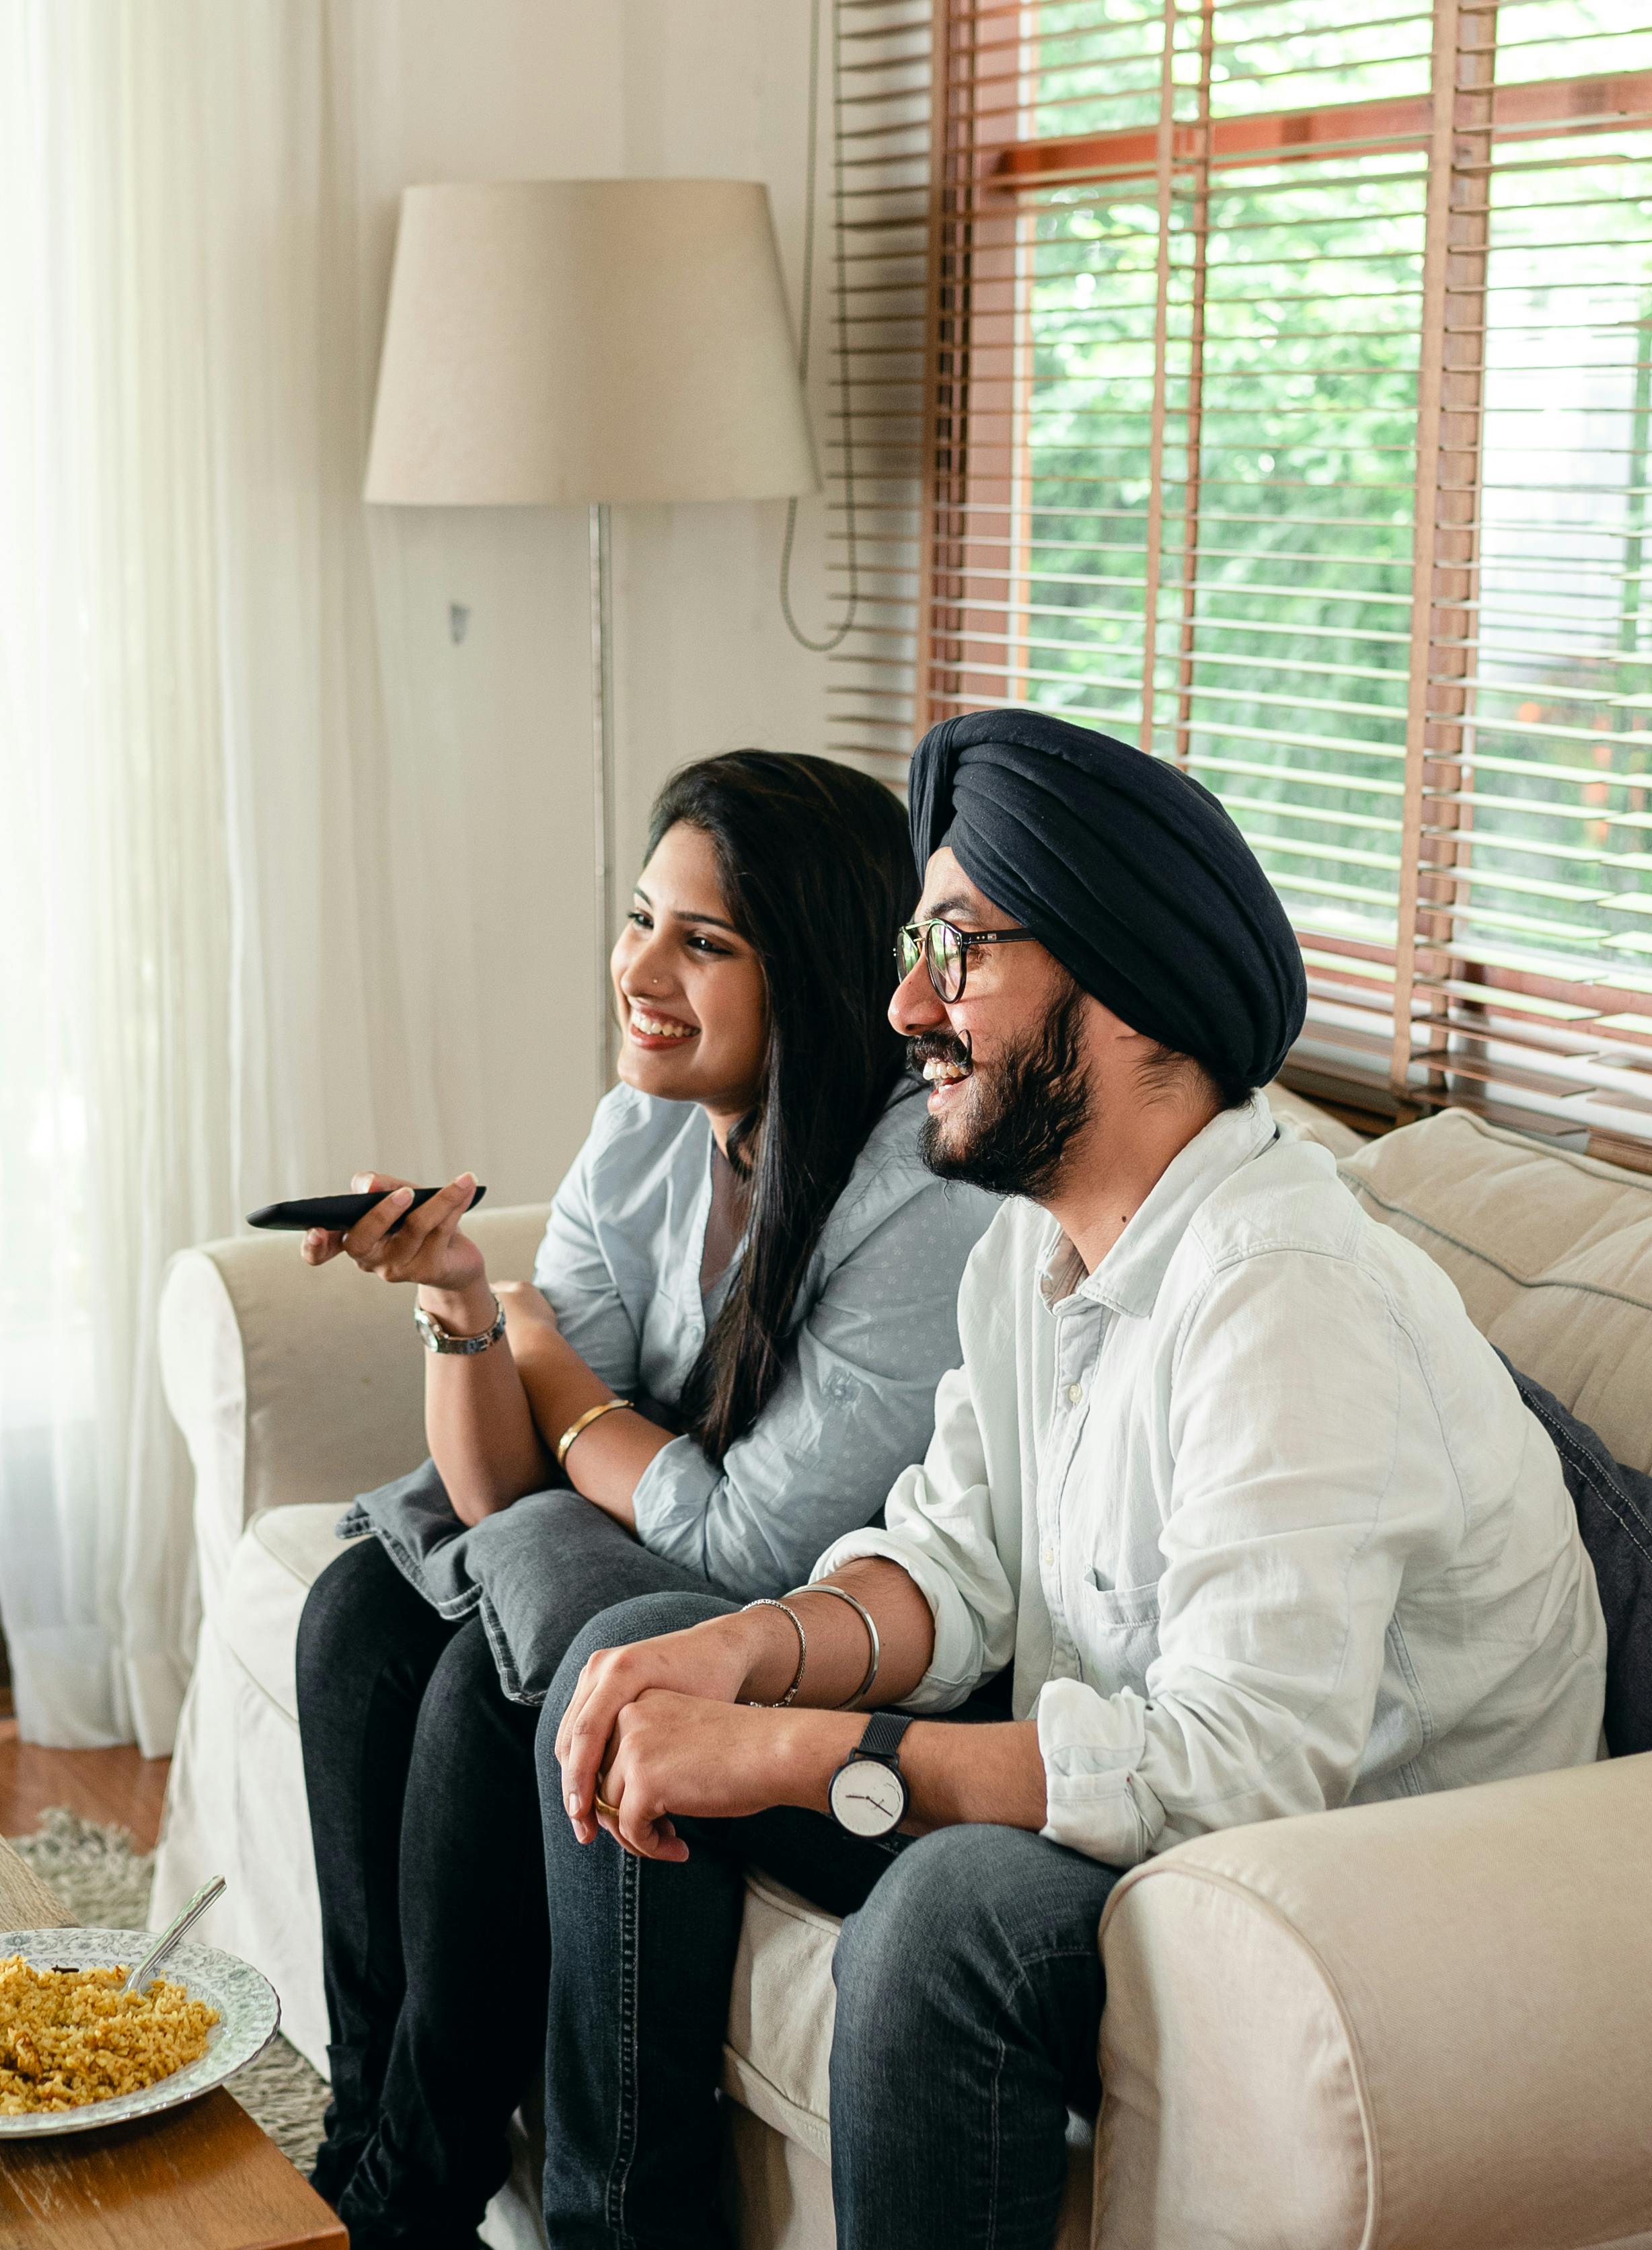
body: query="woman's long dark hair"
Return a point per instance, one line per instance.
(816, 877)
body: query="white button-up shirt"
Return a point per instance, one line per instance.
(1256, 1513)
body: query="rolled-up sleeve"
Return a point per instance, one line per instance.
(1284, 1548)
(855, 1406)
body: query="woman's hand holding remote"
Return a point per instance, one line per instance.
(426, 1249)
(477, 1418)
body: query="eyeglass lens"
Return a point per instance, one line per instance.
(941, 951)
(946, 960)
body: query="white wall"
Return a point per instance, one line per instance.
(497, 735)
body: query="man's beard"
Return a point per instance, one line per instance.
(1027, 1111)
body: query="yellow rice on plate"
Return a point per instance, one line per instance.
(70, 2036)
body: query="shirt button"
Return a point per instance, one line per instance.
(1049, 1557)
(1074, 1392)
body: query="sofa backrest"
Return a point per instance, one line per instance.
(1552, 1253)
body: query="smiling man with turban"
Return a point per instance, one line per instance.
(1228, 1494)
(1148, 901)
(1127, 870)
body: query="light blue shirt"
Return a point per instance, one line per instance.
(874, 1328)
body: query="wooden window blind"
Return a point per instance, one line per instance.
(883, 53)
(1287, 411)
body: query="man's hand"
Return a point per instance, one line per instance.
(751, 1656)
(682, 1753)
(711, 1662)
(673, 1753)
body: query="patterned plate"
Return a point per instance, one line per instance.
(248, 2015)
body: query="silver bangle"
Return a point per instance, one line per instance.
(870, 1623)
(768, 1602)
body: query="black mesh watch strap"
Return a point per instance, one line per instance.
(883, 1735)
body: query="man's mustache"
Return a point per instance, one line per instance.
(939, 1046)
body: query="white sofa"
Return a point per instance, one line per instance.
(1422, 2026)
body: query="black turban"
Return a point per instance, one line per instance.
(1129, 871)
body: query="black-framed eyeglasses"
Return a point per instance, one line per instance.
(945, 950)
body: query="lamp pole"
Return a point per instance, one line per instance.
(602, 779)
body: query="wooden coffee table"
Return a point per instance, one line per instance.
(200, 2178)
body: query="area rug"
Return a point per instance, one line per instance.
(104, 1881)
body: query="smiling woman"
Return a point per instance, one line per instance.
(690, 987)
(744, 1299)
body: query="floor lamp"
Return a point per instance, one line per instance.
(554, 343)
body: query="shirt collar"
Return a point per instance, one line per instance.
(1128, 1277)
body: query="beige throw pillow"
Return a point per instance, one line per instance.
(1552, 1253)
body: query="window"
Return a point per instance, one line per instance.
(1288, 411)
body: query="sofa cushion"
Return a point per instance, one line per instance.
(279, 1557)
(777, 2055)
(1552, 1252)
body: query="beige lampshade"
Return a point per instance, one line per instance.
(554, 341)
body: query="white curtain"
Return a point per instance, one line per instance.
(199, 1010)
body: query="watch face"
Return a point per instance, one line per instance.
(868, 1799)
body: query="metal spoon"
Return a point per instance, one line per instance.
(175, 1930)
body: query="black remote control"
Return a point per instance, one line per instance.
(337, 1214)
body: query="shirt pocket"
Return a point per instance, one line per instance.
(1118, 1634)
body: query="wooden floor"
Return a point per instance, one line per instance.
(116, 1786)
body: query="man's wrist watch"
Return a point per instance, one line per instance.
(867, 1794)
(437, 1338)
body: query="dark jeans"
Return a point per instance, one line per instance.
(969, 1997)
(423, 1801)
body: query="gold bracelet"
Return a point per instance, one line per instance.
(592, 1414)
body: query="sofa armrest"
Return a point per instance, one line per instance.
(1388, 2028)
(293, 1384)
